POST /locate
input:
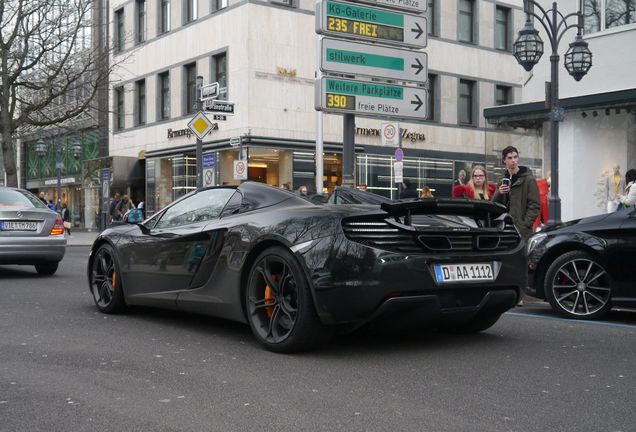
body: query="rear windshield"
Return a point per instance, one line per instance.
(10, 198)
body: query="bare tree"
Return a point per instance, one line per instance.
(50, 67)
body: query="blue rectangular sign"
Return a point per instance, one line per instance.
(209, 160)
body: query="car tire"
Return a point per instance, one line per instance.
(47, 269)
(577, 286)
(279, 305)
(474, 325)
(105, 281)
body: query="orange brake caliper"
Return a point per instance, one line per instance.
(114, 280)
(269, 299)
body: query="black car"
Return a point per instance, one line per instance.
(584, 267)
(297, 271)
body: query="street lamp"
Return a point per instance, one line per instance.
(528, 49)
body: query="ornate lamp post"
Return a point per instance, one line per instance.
(528, 49)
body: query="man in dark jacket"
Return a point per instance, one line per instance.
(518, 192)
(408, 190)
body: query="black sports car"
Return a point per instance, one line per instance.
(296, 271)
(584, 267)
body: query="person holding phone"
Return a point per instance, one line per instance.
(518, 191)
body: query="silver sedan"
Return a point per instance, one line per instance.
(30, 233)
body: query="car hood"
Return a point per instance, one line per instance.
(580, 224)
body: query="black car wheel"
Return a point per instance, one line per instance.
(46, 269)
(105, 281)
(577, 286)
(279, 306)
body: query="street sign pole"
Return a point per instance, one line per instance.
(348, 164)
(199, 151)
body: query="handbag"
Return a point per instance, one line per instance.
(67, 225)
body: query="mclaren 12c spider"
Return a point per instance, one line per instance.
(297, 271)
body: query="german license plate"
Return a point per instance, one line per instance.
(463, 272)
(18, 226)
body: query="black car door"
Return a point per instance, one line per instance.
(164, 258)
(627, 252)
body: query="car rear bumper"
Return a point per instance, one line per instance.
(33, 250)
(369, 284)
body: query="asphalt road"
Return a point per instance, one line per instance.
(66, 367)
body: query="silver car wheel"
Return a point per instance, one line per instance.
(581, 287)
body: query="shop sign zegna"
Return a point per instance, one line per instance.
(404, 132)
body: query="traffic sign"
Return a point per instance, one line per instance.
(390, 133)
(355, 21)
(415, 6)
(398, 154)
(398, 172)
(200, 125)
(223, 107)
(209, 160)
(210, 91)
(240, 170)
(370, 99)
(356, 58)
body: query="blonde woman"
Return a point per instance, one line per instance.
(477, 187)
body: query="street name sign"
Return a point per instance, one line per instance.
(235, 141)
(218, 106)
(200, 125)
(357, 21)
(210, 91)
(356, 58)
(415, 6)
(370, 99)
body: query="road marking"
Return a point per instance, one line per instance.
(572, 321)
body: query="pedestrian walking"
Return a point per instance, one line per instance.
(408, 190)
(124, 206)
(629, 199)
(518, 192)
(114, 213)
(478, 187)
(66, 219)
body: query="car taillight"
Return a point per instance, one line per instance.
(58, 228)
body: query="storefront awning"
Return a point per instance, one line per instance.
(532, 115)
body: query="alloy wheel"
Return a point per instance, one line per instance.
(273, 299)
(104, 278)
(581, 287)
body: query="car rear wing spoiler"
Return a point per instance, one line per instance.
(486, 211)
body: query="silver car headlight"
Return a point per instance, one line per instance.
(535, 241)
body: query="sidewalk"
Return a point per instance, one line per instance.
(81, 237)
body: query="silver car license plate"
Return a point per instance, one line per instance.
(445, 273)
(18, 226)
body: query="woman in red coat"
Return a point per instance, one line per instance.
(477, 187)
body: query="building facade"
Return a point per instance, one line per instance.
(263, 54)
(599, 130)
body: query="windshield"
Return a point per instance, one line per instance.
(11, 198)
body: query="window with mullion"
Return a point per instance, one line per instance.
(466, 100)
(219, 73)
(430, 15)
(466, 24)
(190, 88)
(141, 101)
(219, 4)
(191, 10)
(119, 108)
(120, 35)
(431, 87)
(502, 95)
(502, 41)
(141, 21)
(164, 22)
(164, 95)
